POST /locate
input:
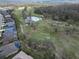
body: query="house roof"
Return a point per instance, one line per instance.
(1, 24)
(1, 20)
(22, 55)
(9, 19)
(8, 49)
(10, 24)
(9, 34)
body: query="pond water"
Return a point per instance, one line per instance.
(34, 18)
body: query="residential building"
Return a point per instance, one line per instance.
(8, 50)
(22, 55)
(1, 24)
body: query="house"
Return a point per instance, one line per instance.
(5, 13)
(9, 19)
(9, 35)
(8, 15)
(10, 24)
(8, 50)
(22, 55)
(1, 24)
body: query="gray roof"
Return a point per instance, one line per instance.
(8, 49)
(1, 20)
(1, 23)
(22, 55)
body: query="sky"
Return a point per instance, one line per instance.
(25, 1)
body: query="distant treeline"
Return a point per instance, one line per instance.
(61, 12)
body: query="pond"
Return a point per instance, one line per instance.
(33, 18)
